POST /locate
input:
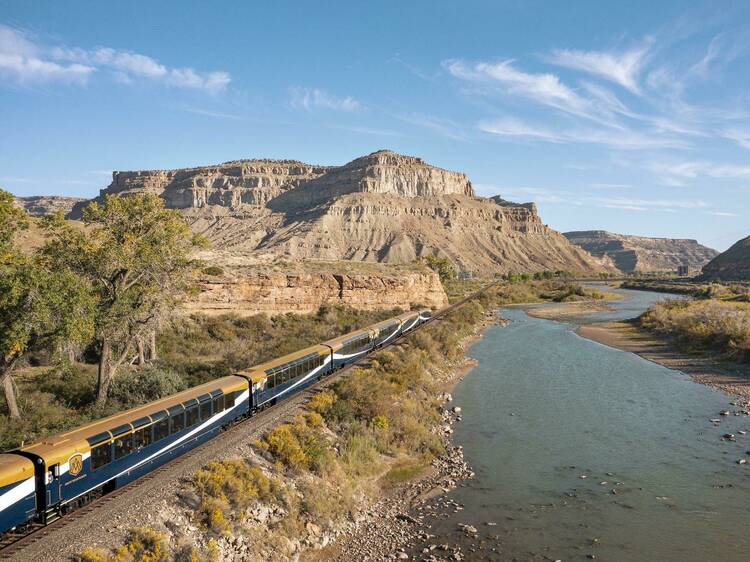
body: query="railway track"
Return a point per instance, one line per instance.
(14, 543)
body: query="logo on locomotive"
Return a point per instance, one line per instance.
(76, 464)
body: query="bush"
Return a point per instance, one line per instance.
(142, 545)
(213, 270)
(145, 384)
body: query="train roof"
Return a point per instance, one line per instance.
(258, 372)
(58, 448)
(384, 323)
(337, 342)
(14, 468)
(407, 315)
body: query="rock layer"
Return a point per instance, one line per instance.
(641, 253)
(246, 291)
(732, 265)
(383, 207)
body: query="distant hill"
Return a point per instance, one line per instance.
(632, 254)
(383, 207)
(732, 265)
(47, 204)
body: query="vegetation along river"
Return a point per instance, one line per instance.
(582, 451)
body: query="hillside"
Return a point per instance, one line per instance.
(383, 207)
(632, 254)
(732, 265)
(40, 205)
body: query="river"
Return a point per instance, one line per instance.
(582, 451)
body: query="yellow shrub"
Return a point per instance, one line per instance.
(322, 401)
(283, 444)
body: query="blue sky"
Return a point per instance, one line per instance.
(627, 116)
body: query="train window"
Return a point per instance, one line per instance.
(191, 415)
(123, 446)
(206, 410)
(161, 429)
(101, 456)
(229, 398)
(177, 422)
(142, 438)
(219, 404)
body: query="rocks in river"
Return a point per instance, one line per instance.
(724, 413)
(742, 461)
(456, 409)
(728, 437)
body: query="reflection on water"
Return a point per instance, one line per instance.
(581, 450)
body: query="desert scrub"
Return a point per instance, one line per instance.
(713, 326)
(227, 487)
(143, 544)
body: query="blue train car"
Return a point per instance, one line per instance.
(17, 491)
(424, 315)
(409, 320)
(282, 377)
(77, 466)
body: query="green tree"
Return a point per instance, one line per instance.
(39, 305)
(138, 257)
(443, 267)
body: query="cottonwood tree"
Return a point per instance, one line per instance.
(138, 257)
(39, 305)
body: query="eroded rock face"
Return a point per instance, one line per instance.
(732, 265)
(41, 205)
(383, 207)
(247, 291)
(641, 253)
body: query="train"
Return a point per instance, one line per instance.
(41, 482)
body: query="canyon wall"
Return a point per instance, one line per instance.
(731, 265)
(631, 254)
(246, 291)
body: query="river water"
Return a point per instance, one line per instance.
(582, 451)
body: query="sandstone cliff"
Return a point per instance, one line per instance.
(732, 265)
(383, 207)
(642, 254)
(40, 205)
(246, 290)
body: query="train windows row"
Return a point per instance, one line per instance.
(387, 330)
(288, 371)
(158, 426)
(355, 344)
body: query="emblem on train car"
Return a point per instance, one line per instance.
(76, 464)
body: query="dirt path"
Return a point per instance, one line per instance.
(732, 378)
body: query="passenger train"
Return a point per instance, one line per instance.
(43, 481)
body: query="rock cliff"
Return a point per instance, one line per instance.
(251, 290)
(383, 207)
(642, 254)
(732, 265)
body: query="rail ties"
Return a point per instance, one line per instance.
(11, 543)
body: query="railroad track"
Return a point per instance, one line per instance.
(13, 543)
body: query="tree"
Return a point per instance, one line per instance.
(38, 305)
(442, 266)
(137, 255)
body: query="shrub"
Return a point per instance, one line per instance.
(234, 482)
(322, 402)
(213, 270)
(142, 385)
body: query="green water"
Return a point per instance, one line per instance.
(545, 407)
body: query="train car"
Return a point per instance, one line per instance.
(350, 347)
(80, 465)
(17, 492)
(408, 321)
(386, 331)
(277, 379)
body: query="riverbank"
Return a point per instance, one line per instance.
(732, 378)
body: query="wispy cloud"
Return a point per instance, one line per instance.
(740, 136)
(636, 204)
(25, 62)
(444, 127)
(622, 68)
(686, 170)
(621, 139)
(722, 214)
(310, 99)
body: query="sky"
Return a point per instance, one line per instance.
(632, 117)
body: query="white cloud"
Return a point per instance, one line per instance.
(631, 204)
(740, 136)
(22, 62)
(25, 62)
(702, 67)
(443, 127)
(310, 99)
(723, 214)
(621, 68)
(695, 169)
(544, 88)
(621, 139)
